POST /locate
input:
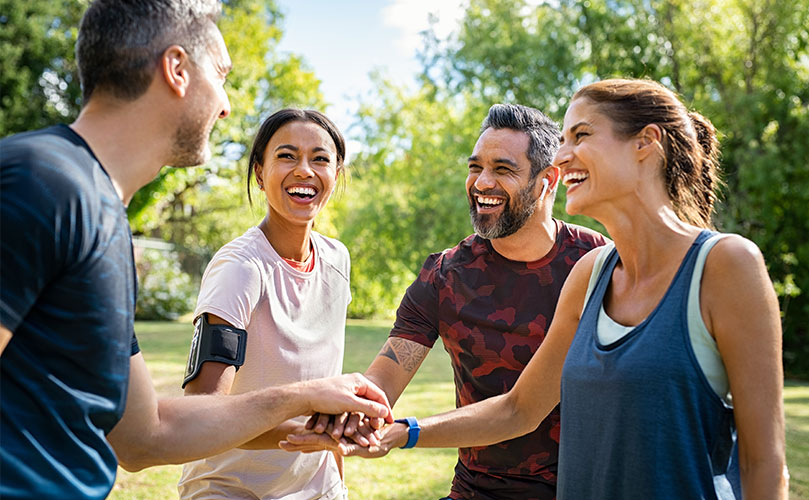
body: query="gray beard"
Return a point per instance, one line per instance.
(511, 220)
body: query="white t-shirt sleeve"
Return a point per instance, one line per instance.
(230, 289)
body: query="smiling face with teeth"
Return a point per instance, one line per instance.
(501, 191)
(596, 163)
(299, 172)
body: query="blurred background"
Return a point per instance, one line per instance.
(409, 83)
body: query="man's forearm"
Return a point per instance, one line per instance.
(193, 427)
(270, 439)
(395, 365)
(177, 430)
(391, 370)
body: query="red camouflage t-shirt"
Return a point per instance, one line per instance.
(492, 314)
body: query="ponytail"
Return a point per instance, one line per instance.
(690, 147)
(708, 166)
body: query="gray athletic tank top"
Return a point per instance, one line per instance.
(639, 418)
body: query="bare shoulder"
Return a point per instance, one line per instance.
(736, 288)
(733, 259)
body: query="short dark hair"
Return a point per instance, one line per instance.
(120, 41)
(690, 148)
(280, 118)
(543, 133)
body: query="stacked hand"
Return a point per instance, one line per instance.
(354, 427)
(351, 392)
(349, 434)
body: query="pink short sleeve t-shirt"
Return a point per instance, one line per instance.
(295, 324)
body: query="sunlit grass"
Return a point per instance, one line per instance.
(404, 474)
(796, 407)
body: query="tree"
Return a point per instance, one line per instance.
(757, 93)
(200, 209)
(38, 81)
(196, 209)
(742, 63)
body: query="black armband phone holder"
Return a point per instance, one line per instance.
(222, 343)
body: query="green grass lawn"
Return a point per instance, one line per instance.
(796, 406)
(403, 475)
(414, 474)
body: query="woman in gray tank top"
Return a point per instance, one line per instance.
(640, 418)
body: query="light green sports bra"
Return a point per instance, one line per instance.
(704, 346)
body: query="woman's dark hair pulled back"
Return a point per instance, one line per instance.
(280, 118)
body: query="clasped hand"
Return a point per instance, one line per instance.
(348, 434)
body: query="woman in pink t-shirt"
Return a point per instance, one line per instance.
(287, 288)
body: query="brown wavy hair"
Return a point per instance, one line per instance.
(690, 148)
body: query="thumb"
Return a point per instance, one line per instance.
(374, 409)
(375, 399)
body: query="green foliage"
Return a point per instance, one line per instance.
(200, 209)
(753, 83)
(39, 85)
(505, 51)
(742, 63)
(406, 198)
(165, 292)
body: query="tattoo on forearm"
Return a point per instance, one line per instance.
(387, 351)
(406, 353)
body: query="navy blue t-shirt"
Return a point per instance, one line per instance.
(67, 293)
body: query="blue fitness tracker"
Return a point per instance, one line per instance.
(413, 430)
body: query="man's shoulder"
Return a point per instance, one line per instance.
(466, 252)
(57, 142)
(582, 237)
(54, 157)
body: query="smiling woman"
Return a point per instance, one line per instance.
(664, 353)
(298, 175)
(272, 305)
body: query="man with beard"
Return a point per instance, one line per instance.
(152, 74)
(491, 299)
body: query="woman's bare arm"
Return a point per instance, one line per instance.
(741, 311)
(503, 417)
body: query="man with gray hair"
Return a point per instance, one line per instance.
(491, 300)
(152, 74)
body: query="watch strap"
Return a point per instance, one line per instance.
(413, 431)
